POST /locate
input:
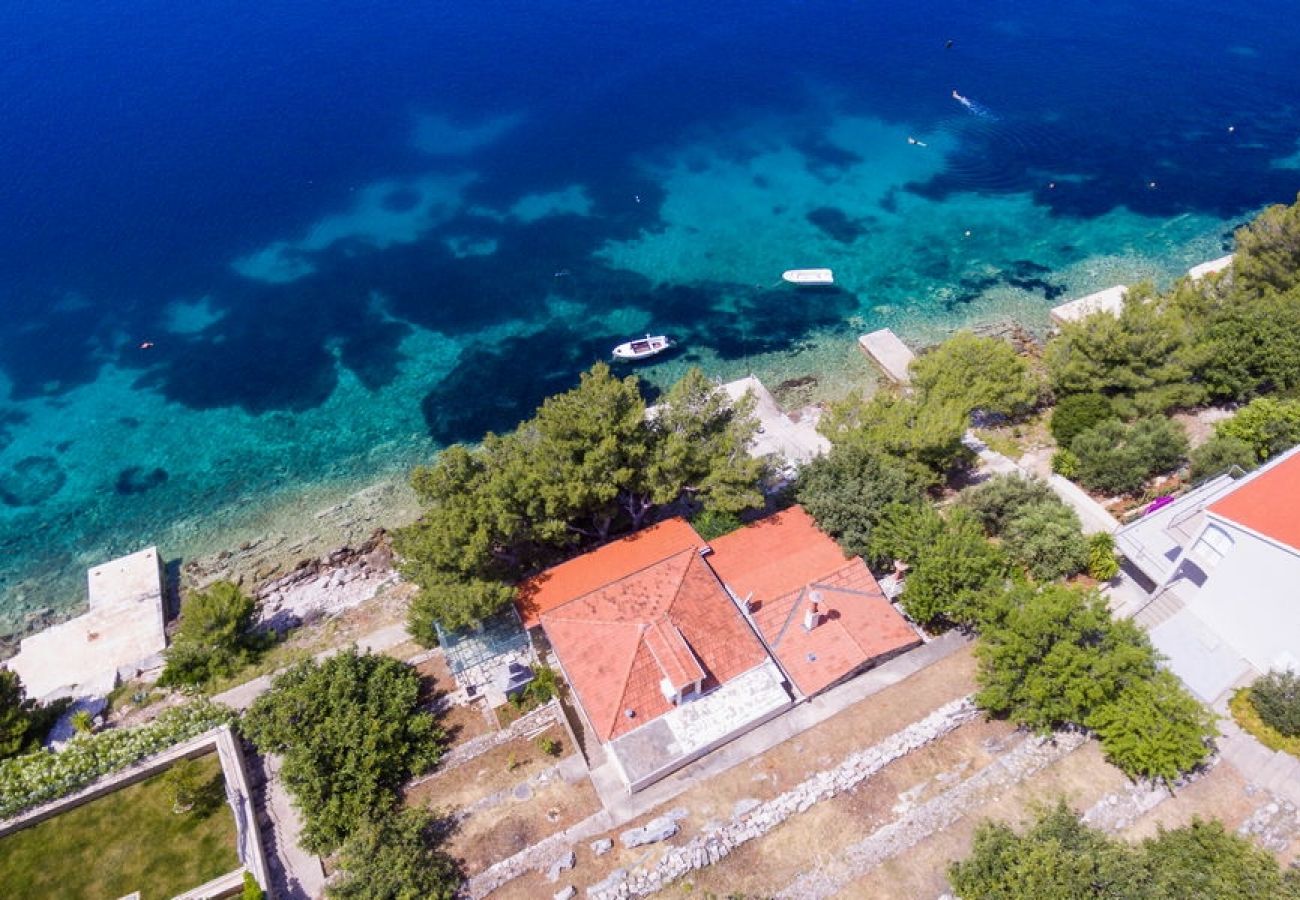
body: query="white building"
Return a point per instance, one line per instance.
(1224, 562)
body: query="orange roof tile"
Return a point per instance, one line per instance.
(856, 625)
(671, 619)
(585, 573)
(1267, 503)
(775, 555)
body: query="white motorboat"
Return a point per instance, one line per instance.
(642, 348)
(809, 277)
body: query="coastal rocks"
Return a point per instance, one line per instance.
(562, 864)
(602, 846)
(325, 586)
(652, 832)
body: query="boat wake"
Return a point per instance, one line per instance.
(975, 109)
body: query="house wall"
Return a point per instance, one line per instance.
(1251, 599)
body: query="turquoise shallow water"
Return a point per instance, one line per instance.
(265, 270)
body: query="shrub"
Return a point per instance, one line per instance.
(1077, 413)
(714, 523)
(1065, 463)
(1002, 497)
(1047, 539)
(251, 890)
(184, 782)
(544, 685)
(214, 638)
(1219, 454)
(27, 781)
(1102, 564)
(1118, 459)
(1268, 426)
(549, 746)
(82, 721)
(1276, 697)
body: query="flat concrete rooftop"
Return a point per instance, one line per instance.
(124, 627)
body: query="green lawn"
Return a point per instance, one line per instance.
(127, 841)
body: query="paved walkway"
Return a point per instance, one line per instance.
(295, 873)
(1273, 770)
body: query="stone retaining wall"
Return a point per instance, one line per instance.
(707, 849)
(527, 725)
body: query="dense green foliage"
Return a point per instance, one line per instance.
(975, 373)
(954, 568)
(588, 465)
(396, 858)
(1058, 856)
(251, 889)
(926, 434)
(713, 523)
(1102, 564)
(1118, 458)
(1065, 463)
(352, 731)
(23, 721)
(1076, 413)
(1266, 425)
(34, 778)
(1052, 656)
(848, 489)
(215, 637)
(1220, 454)
(1139, 359)
(1220, 339)
(1276, 698)
(1037, 529)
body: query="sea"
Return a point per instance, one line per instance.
(258, 252)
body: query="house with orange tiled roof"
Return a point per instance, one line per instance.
(673, 646)
(820, 612)
(663, 664)
(1223, 564)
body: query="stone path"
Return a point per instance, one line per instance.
(707, 849)
(1030, 756)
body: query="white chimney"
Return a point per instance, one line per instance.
(812, 616)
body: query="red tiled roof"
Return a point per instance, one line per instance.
(670, 619)
(1267, 504)
(775, 555)
(856, 625)
(585, 573)
(777, 562)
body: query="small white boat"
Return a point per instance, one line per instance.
(809, 276)
(642, 348)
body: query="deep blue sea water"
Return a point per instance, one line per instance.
(257, 249)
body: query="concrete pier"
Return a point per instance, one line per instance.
(122, 630)
(1196, 273)
(889, 353)
(1110, 300)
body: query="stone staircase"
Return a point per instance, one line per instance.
(1162, 607)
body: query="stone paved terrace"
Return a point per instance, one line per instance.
(1110, 300)
(795, 439)
(683, 734)
(123, 629)
(887, 351)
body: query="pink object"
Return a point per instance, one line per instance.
(1158, 503)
